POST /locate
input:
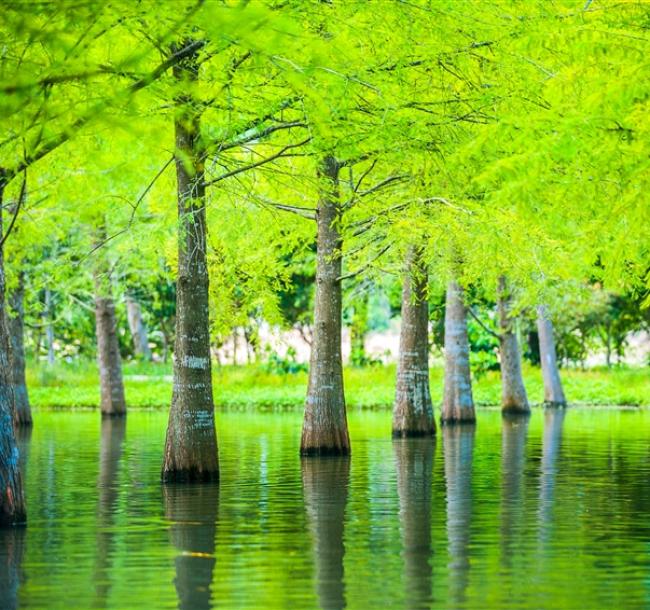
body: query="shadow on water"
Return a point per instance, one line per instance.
(12, 539)
(458, 448)
(193, 510)
(325, 482)
(553, 424)
(111, 440)
(414, 462)
(514, 432)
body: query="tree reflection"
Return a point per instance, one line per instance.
(458, 445)
(193, 511)
(113, 430)
(553, 424)
(325, 483)
(414, 461)
(514, 431)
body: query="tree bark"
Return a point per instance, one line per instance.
(138, 328)
(513, 392)
(414, 461)
(413, 411)
(193, 511)
(12, 501)
(325, 489)
(325, 426)
(112, 401)
(191, 443)
(458, 403)
(553, 392)
(15, 326)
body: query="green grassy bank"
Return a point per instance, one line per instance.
(149, 386)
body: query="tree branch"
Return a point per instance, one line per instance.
(483, 326)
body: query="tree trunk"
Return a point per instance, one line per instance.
(49, 327)
(138, 328)
(414, 460)
(12, 501)
(15, 326)
(458, 448)
(108, 349)
(191, 443)
(553, 392)
(413, 411)
(193, 511)
(358, 331)
(325, 488)
(325, 426)
(458, 403)
(513, 392)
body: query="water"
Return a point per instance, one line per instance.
(550, 513)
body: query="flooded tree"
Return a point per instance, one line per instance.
(414, 462)
(412, 410)
(325, 488)
(513, 391)
(553, 391)
(458, 402)
(325, 426)
(193, 511)
(16, 329)
(191, 443)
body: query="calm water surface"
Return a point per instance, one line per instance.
(549, 513)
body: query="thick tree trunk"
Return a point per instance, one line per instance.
(553, 392)
(138, 328)
(325, 426)
(112, 401)
(458, 447)
(458, 403)
(15, 326)
(193, 511)
(49, 327)
(414, 460)
(513, 392)
(358, 331)
(413, 411)
(12, 502)
(325, 489)
(191, 443)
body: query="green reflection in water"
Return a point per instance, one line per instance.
(550, 512)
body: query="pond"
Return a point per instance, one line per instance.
(547, 513)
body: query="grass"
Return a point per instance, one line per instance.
(148, 385)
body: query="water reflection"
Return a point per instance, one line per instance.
(458, 445)
(12, 540)
(414, 461)
(325, 484)
(111, 440)
(193, 511)
(553, 424)
(514, 431)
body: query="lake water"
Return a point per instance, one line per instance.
(549, 513)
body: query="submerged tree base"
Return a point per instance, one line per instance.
(469, 420)
(555, 405)
(516, 411)
(114, 415)
(324, 451)
(403, 433)
(190, 475)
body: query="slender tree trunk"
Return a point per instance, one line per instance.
(414, 459)
(458, 403)
(191, 443)
(109, 361)
(458, 447)
(193, 511)
(138, 328)
(15, 326)
(358, 331)
(49, 327)
(325, 488)
(513, 391)
(553, 392)
(12, 501)
(413, 411)
(325, 426)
